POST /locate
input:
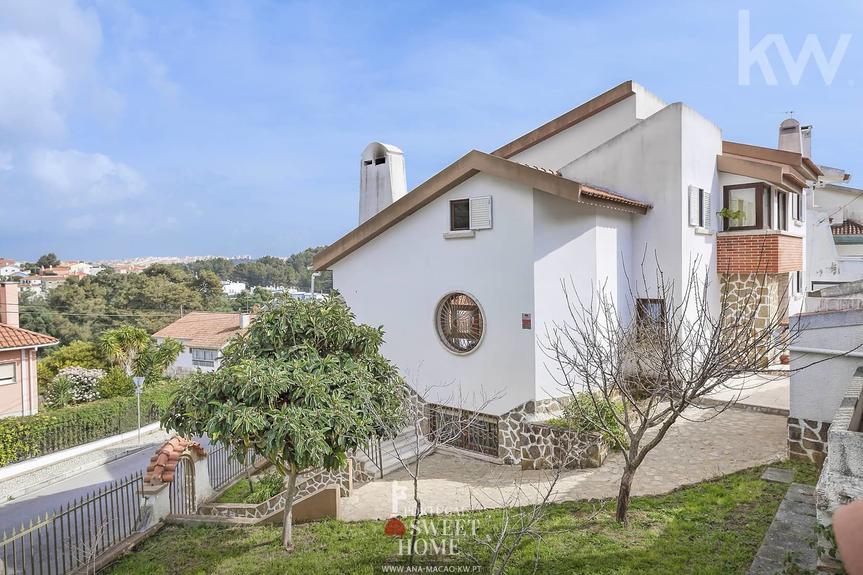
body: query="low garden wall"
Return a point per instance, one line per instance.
(307, 484)
(545, 446)
(841, 479)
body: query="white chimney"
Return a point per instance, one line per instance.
(9, 303)
(244, 320)
(806, 134)
(382, 178)
(790, 137)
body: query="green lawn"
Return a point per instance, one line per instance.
(236, 493)
(710, 528)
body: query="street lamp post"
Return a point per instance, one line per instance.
(139, 387)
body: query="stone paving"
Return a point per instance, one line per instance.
(708, 446)
(791, 535)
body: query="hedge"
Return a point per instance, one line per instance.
(57, 429)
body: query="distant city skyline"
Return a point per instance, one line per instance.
(133, 128)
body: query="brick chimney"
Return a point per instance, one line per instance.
(9, 303)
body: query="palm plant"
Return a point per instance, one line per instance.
(123, 345)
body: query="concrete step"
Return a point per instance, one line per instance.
(404, 446)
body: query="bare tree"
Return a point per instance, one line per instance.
(428, 436)
(660, 351)
(521, 510)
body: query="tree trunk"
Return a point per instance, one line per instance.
(623, 494)
(417, 512)
(287, 533)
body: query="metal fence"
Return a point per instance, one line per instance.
(181, 491)
(66, 434)
(74, 536)
(224, 466)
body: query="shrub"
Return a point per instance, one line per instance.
(268, 485)
(77, 353)
(585, 415)
(116, 384)
(73, 385)
(56, 429)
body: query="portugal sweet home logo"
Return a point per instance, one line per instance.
(432, 536)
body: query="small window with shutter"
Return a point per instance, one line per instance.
(7, 373)
(470, 214)
(480, 213)
(699, 207)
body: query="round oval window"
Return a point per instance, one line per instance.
(460, 323)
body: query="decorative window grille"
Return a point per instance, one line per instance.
(460, 323)
(464, 429)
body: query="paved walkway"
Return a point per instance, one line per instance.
(691, 452)
(767, 390)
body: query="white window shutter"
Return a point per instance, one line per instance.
(480, 213)
(693, 206)
(707, 213)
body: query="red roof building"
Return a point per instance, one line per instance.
(19, 386)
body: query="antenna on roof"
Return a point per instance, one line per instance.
(790, 113)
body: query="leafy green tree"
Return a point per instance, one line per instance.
(49, 260)
(303, 387)
(209, 286)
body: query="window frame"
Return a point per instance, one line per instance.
(14, 379)
(642, 318)
(204, 362)
(760, 188)
(782, 210)
(452, 206)
(443, 338)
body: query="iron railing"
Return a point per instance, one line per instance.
(76, 535)
(181, 491)
(224, 466)
(67, 434)
(373, 452)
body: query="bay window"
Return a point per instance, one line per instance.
(749, 206)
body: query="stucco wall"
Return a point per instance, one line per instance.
(398, 278)
(817, 390)
(562, 148)
(22, 398)
(582, 246)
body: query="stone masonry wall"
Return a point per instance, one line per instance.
(547, 447)
(841, 479)
(807, 439)
(509, 427)
(766, 291)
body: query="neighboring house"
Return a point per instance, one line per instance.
(464, 272)
(836, 234)
(817, 390)
(203, 335)
(9, 269)
(233, 288)
(19, 387)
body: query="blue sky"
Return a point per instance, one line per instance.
(172, 128)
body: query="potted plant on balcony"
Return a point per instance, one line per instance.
(731, 215)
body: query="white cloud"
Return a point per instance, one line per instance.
(77, 178)
(6, 161)
(31, 83)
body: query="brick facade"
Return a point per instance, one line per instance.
(758, 252)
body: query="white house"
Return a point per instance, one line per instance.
(233, 288)
(203, 335)
(464, 272)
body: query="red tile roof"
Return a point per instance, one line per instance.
(164, 463)
(847, 228)
(14, 337)
(602, 194)
(203, 329)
